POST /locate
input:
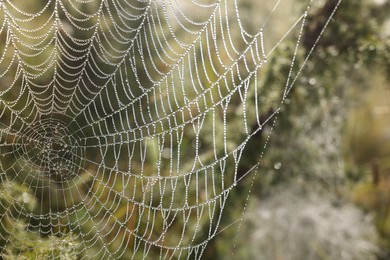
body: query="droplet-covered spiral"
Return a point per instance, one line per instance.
(51, 151)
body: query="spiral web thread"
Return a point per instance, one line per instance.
(117, 116)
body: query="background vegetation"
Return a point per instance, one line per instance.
(323, 187)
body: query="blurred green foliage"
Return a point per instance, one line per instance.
(14, 198)
(324, 139)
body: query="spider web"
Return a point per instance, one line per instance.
(127, 120)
